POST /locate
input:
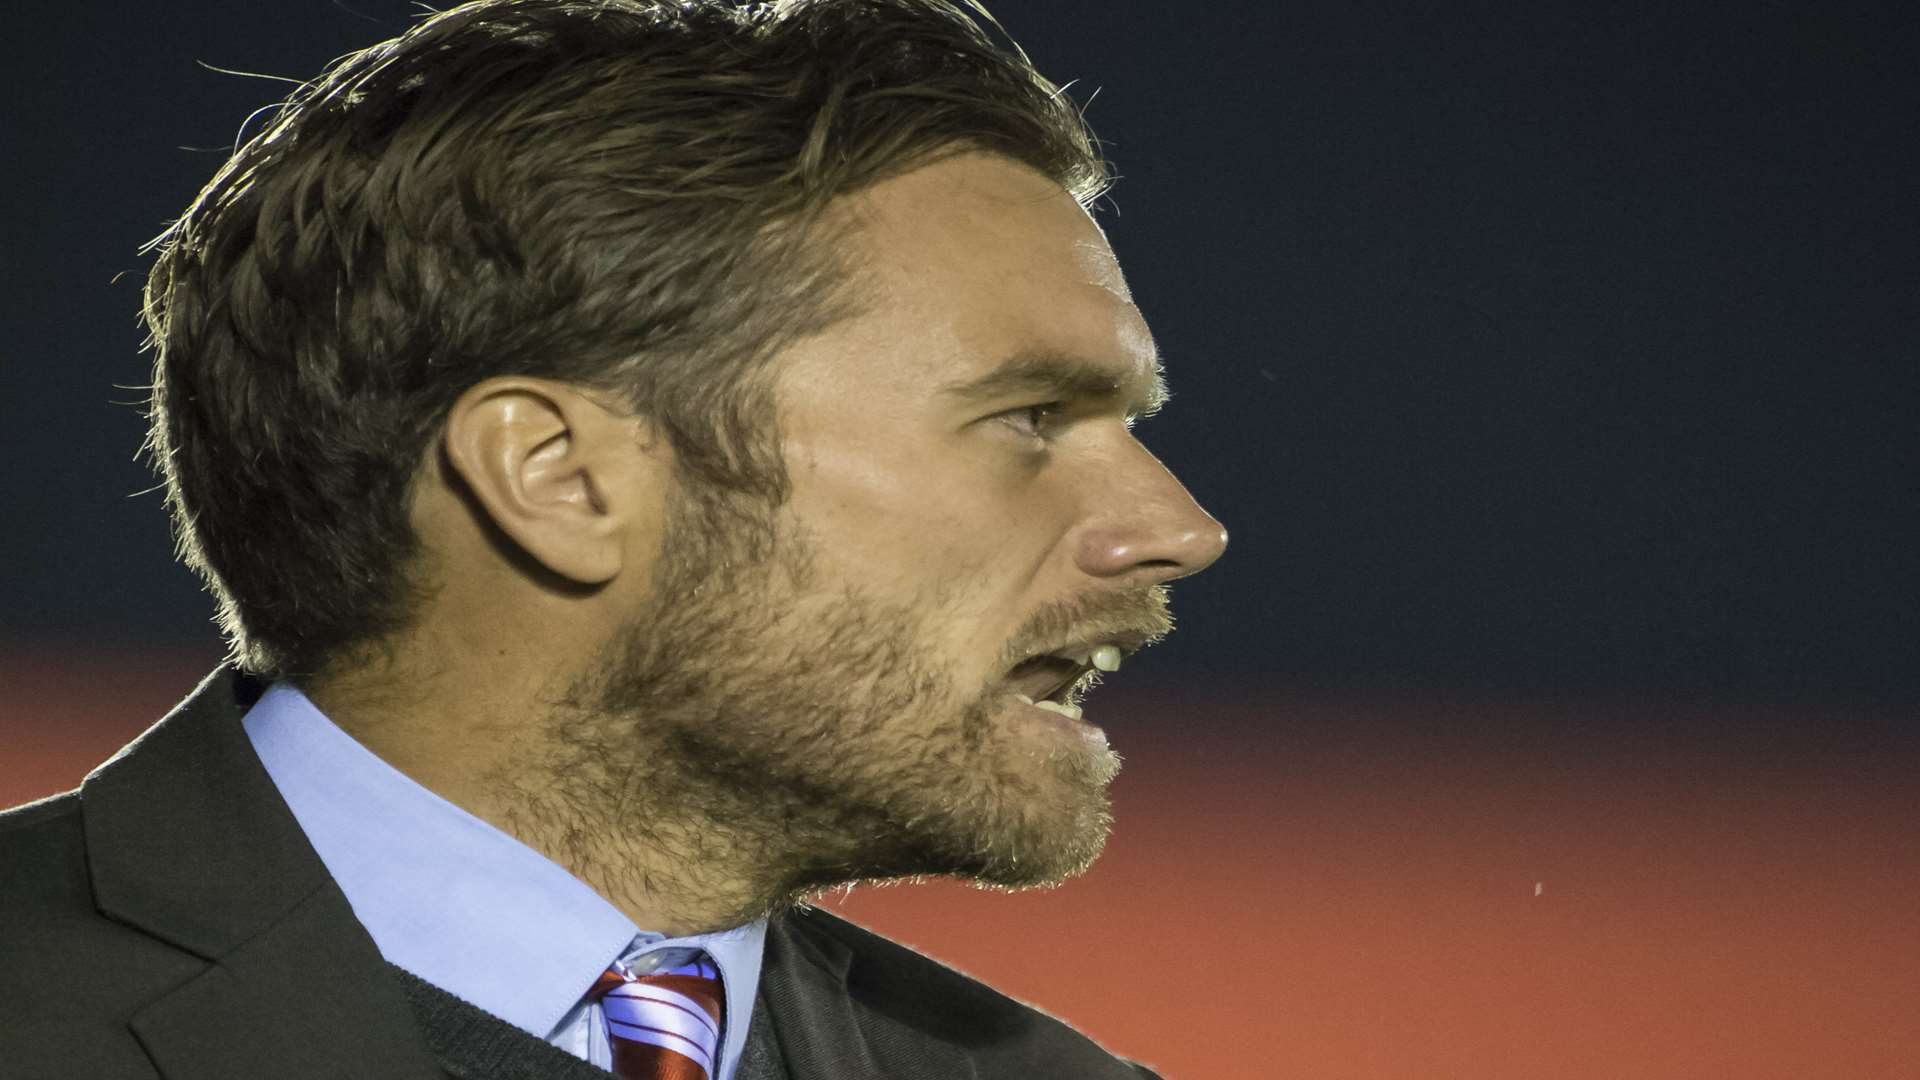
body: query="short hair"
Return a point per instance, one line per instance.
(622, 194)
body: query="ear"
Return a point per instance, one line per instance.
(571, 481)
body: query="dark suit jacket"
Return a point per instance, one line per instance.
(169, 919)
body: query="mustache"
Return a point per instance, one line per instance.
(1143, 613)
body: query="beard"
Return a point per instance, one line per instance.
(766, 733)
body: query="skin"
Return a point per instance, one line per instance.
(704, 728)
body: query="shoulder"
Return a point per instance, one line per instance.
(900, 988)
(64, 1018)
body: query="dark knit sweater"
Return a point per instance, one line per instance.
(473, 1044)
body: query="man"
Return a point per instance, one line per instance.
(655, 461)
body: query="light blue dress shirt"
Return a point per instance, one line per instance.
(463, 905)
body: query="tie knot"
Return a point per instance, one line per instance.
(664, 1015)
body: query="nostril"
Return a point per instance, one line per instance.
(1155, 539)
(1199, 549)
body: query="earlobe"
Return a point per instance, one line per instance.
(552, 469)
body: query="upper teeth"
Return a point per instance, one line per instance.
(1104, 657)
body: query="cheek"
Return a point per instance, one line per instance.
(919, 516)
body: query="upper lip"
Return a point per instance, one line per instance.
(1128, 642)
(1078, 653)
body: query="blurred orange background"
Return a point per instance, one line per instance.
(1338, 886)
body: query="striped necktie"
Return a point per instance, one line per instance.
(664, 1025)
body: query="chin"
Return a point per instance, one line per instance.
(1040, 870)
(1051, 831)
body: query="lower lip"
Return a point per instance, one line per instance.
(1080, 728)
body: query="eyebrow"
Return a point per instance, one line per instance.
(1064, 376)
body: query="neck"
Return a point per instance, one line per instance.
(588, 801)
(610, 810)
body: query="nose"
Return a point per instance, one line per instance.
(1145, 527)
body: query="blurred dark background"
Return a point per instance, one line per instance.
(1520, 346)
(1553, 364)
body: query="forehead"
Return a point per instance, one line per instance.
(977, 263)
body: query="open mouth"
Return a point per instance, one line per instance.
(1047, 678)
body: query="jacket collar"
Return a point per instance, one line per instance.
(189, 841)
(187, 838)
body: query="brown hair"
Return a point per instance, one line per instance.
(625, 194)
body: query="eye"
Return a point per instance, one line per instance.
(1034, 421)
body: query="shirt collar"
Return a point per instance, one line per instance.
(449, 897)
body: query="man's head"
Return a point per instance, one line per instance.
(768, 534)
(965, 495)
(617, 193)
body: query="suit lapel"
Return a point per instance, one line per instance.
(189, 841)
(760, 1058)
(825, 1028)
(298, 1000)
